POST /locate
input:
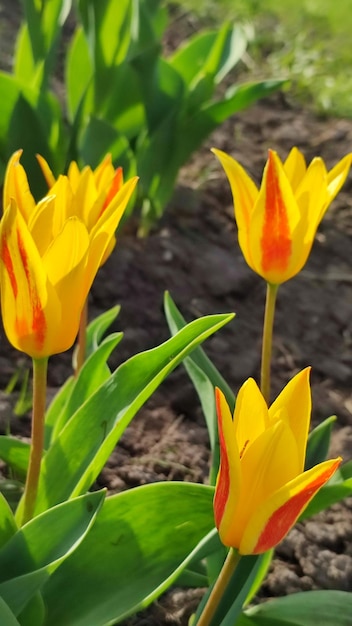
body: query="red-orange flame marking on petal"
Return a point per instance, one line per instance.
(276, 241)
(223, 481)
(38, 321)
(115, 187)
(284, 518)
(6, 257)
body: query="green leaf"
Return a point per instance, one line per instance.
(15, 453)
(310, 608)
(94, 373)
(100, 137)
(98, 327)
(176, 322)
(37, 549)
(140, 543)
(236, 593)
(7, 618)
(78, 75)
(25, 68)
(319, 442)
(205, 378)
(80, 451)
(56, 407)
(8, 526)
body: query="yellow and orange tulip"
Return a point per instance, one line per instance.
(86, 194)
(278, 222)
(50, 256)
(262, 487)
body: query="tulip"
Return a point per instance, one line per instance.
(48, 263)
(86, 194)
(262, 487)
(278, 222)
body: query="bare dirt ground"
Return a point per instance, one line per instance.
(193, 253)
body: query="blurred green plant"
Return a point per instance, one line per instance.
(307, 41)
(123, 95)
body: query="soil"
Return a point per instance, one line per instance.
(193, 253)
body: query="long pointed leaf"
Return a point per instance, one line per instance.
(79, 453)
(140, 543)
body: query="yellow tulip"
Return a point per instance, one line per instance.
(278, 222)
(86, 194)
(262, 487)
(49, 258)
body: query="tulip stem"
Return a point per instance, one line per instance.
(271, 292)
(230, 564)
(82, 339)
(40, 367)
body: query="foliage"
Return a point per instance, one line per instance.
(123, 94)
(309, 42)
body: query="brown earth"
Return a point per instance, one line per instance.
(194, 254)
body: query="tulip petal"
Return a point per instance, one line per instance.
(275, 217)
(104, 230)
(295, 167)
(296, 402)
(47, 173)
(28, 300)
(16, 186)
(337, 177)
(276, 516)
(228, 482)
(251, 414)
(245, 194)
(65, 262)
(268, 462)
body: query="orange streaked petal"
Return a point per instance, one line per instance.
(295, 401)
(268, 462)
(229, 477)
(277, 515)
(28, 302)
(274, 218)
(104, 230)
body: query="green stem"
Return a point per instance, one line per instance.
(82, 339)
(40, 367)
(219, 588)
(271, 292)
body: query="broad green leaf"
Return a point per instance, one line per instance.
(8, 526)
(98, 327)
(46, 540)
(25, 130)
(319, 442)
(94, 373)
(100, 137)
(18, 591)
(176, 322)
(310, 608)
(37, 549)
(78, 74)
(6, 616)
(81, 450)
(142, 540)
(15, 453)
(56, 407)
(25, 68)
